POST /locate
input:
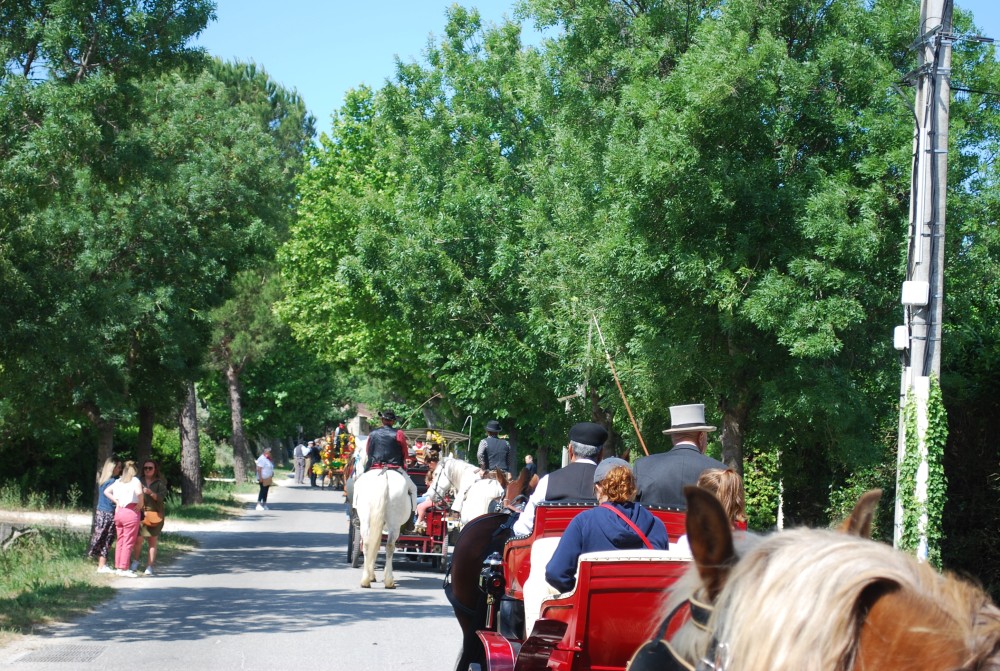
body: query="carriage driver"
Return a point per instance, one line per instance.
(495, 452)
(573, 482)
(387, 448)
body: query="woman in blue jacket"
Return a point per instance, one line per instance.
(617, 523)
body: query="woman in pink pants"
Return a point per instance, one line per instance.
(126, 492)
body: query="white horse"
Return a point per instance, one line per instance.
(473, 493)
(382, 499)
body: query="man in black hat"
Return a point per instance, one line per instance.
(575, 481)
(495, 452)
(387, 448)
(661, 478)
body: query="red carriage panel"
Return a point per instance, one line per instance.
(551, 520)
(672, 518)
(613, 610)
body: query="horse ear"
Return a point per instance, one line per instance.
(860, 521)
(710, 537)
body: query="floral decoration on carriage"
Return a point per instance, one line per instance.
(432, 445)
(336, 453)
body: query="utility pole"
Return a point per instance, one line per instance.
(919, 338)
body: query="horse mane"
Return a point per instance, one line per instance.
(796, 600)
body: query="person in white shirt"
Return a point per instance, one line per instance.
(126, 492)
(265, 477)
(300, 464)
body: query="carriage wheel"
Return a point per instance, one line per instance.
(356, 557)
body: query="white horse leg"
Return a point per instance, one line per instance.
(390, 547)
(371, 544)
(376, 522)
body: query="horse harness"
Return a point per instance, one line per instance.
(658, 654)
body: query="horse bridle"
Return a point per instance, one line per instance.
(658, 654)
(435, 494)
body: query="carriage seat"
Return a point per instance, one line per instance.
(614, 608)
(551, 520)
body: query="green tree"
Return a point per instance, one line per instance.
(72, 108)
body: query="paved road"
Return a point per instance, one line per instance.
(270, 590)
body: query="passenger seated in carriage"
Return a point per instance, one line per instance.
(425, 503)
(617, 523)
(727, 486)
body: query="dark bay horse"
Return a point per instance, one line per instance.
(479, 538)
(518, 490)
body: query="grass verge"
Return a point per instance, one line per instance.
(45, 577)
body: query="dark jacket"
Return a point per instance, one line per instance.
(385, 447)
(601, 529)
(496, 454)
(573, 482)
(661, 477)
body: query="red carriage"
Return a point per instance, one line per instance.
(612, 611)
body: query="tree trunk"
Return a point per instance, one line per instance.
(144, 446)
(190, 449)
(734, 417)
(241, 454)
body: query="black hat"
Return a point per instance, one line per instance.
(493, 426)
(387, 415)
(588, 433)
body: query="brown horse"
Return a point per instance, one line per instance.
(819, 600)
(479, 538)
(518, 490)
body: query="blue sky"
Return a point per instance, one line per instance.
(322, 48)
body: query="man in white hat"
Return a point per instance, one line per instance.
(661, 477)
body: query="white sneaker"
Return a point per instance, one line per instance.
(148, 571)
(134, 566)
(260, 507)
(267, 507)
(105, 569)
(126, 574)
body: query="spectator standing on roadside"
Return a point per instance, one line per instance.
(154, 491)
(529, 464)
(126, 492)
(265, 477)
(103, 533)
(299, 455)
(313, 458)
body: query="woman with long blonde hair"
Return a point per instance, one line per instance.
(727, 485)
(102, 535)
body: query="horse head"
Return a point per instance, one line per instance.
(819, 599)
(519, 489)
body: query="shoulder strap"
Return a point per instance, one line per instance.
(628, 522)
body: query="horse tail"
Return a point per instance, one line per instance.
(379, 505)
